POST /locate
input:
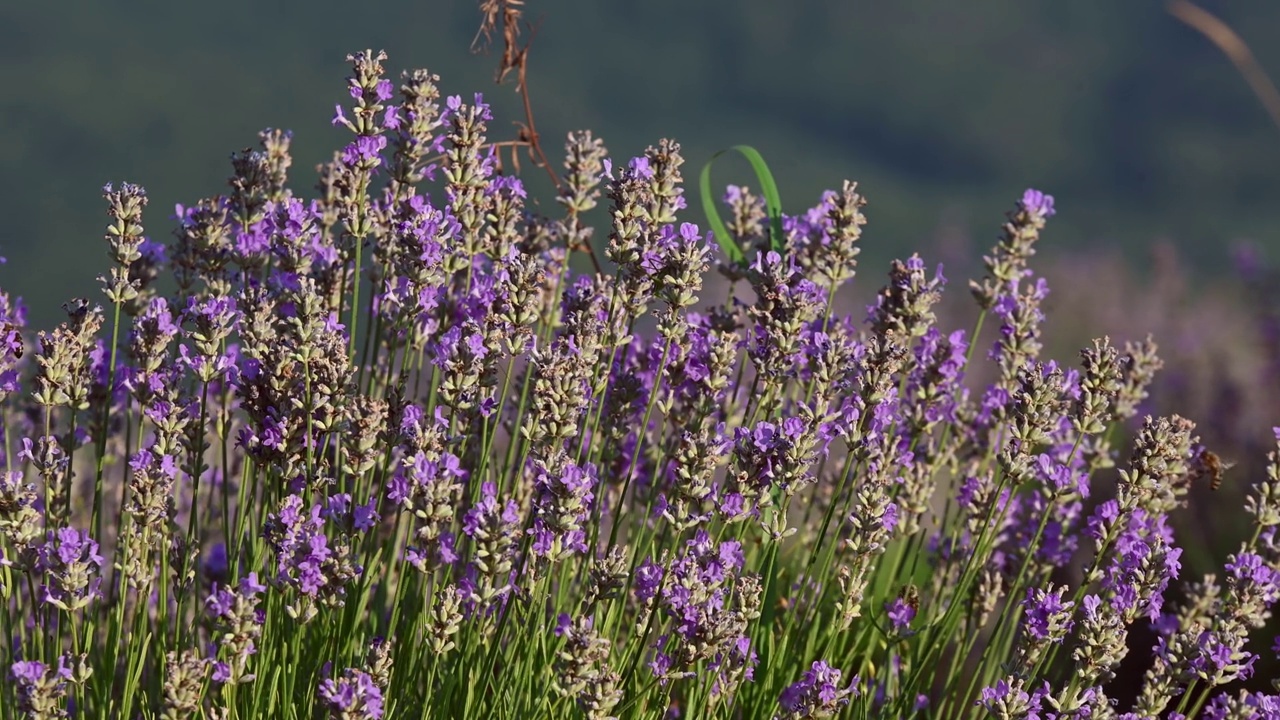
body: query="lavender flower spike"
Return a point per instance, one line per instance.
(354, 696)
(816, 695)
(1038, 203)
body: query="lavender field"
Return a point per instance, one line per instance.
(418, 443)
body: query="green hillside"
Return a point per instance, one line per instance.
(944, 111)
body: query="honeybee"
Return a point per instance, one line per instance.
(911, 596)
(1209, 465)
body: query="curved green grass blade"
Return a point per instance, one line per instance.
(772, 203)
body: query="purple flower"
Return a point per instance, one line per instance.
(889, 520)
(707, 602)
(1220, 657)
(364, 151)
(222, 602)
(305, 560)
(900, 614)
(353, 696)
(1251, 576)
(19, 516)
(934, 385)
(817, 694)
(561, 502)
(41, 689)
(488, 510)
(1048, 617)
(346, 515)
(69, 558)
(30, 672)
(768, 455)
(1037, 203)
(430, 490)
(661, 664)
(1008, 699)
(648, 579)
(1143, 564)
(640, 167)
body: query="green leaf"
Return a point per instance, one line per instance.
(772, 203)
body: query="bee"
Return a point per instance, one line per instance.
(911, 596)
(1211, 466)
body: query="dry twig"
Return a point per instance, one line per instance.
(506, 16)
(1236, 50)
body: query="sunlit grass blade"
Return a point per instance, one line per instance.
(772, 201)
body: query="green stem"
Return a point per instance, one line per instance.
(96, 519)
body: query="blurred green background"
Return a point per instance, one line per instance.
(944, 111)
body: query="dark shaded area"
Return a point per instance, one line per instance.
(941, 110)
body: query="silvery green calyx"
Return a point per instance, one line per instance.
(185, 676)
(124, 235)
(1008, 260)
(829, 256)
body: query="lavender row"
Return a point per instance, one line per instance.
(387, 453)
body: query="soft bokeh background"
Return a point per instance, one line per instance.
(944, 111)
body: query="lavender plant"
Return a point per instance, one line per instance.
(383, 453)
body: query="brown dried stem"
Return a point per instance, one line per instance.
(1236, 50)
(508, 14)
